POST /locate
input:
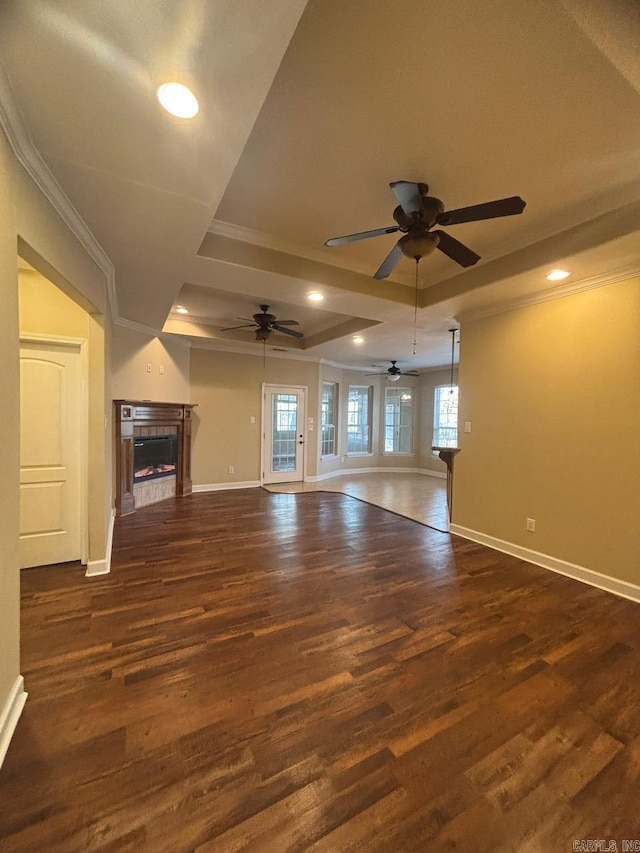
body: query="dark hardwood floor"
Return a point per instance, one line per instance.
(308, 672)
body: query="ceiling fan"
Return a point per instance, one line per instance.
(416, 215)
(394, 373)
(265, 324)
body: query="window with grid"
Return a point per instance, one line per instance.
(445, 416)
(398, 420)
(358, 419)
(285, 422)
(328, 411)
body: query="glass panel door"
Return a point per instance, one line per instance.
(283, 435)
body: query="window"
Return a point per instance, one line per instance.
(398, 420)
(284, 426)
(358, 419)
(328, 411)
(445, 416)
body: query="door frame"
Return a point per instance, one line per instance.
(82, 345)
(269, 386)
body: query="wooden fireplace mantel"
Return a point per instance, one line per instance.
(136, 418)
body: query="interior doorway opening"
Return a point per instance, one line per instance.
(54, 333)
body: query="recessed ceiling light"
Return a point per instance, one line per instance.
(557, 275)
(178, 100)
(314, 296)
(358, 339)
(181, 310)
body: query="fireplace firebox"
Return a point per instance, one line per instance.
(154, 457)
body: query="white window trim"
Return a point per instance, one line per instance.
(436, 453)
(370, 393)
(406, 453)
(336, 417)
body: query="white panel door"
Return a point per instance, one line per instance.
(283, 435)
(50, 453)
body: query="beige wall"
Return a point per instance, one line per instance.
(31, 226)
(9, 434)
(131, 351)
(552, 393)
(46, 310)
(227, 391)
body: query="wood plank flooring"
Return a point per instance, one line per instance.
(273, 672)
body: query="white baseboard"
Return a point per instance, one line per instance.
(103, 567)
(350, 471)
(11, 714)
(571, 570)
(223, 487)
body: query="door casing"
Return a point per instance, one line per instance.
(82, 346)
(273, 387)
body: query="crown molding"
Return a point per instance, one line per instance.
(154, 333)
(557, 292)
(28, 156)
(288, 247)
(242, 348)
(342, 366)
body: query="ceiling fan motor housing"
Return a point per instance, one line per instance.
(430, 209)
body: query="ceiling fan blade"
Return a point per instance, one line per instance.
(288, 323)
(489, 210)
(361, 235)
(279, 328)
(456, 250)
(389, 262)
(231, 328)
(375, 374)
(408, 195)
(410, 373)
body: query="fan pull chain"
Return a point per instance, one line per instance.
(415, 312)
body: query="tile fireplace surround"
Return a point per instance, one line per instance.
(141, 419)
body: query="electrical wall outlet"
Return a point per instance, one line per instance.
(231, 469)
(467, 426)
(531, 525)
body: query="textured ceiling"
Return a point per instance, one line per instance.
(308, 111)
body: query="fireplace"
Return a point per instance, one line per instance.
(153, 452)
(154, 457)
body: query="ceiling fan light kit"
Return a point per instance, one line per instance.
(418, 213)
